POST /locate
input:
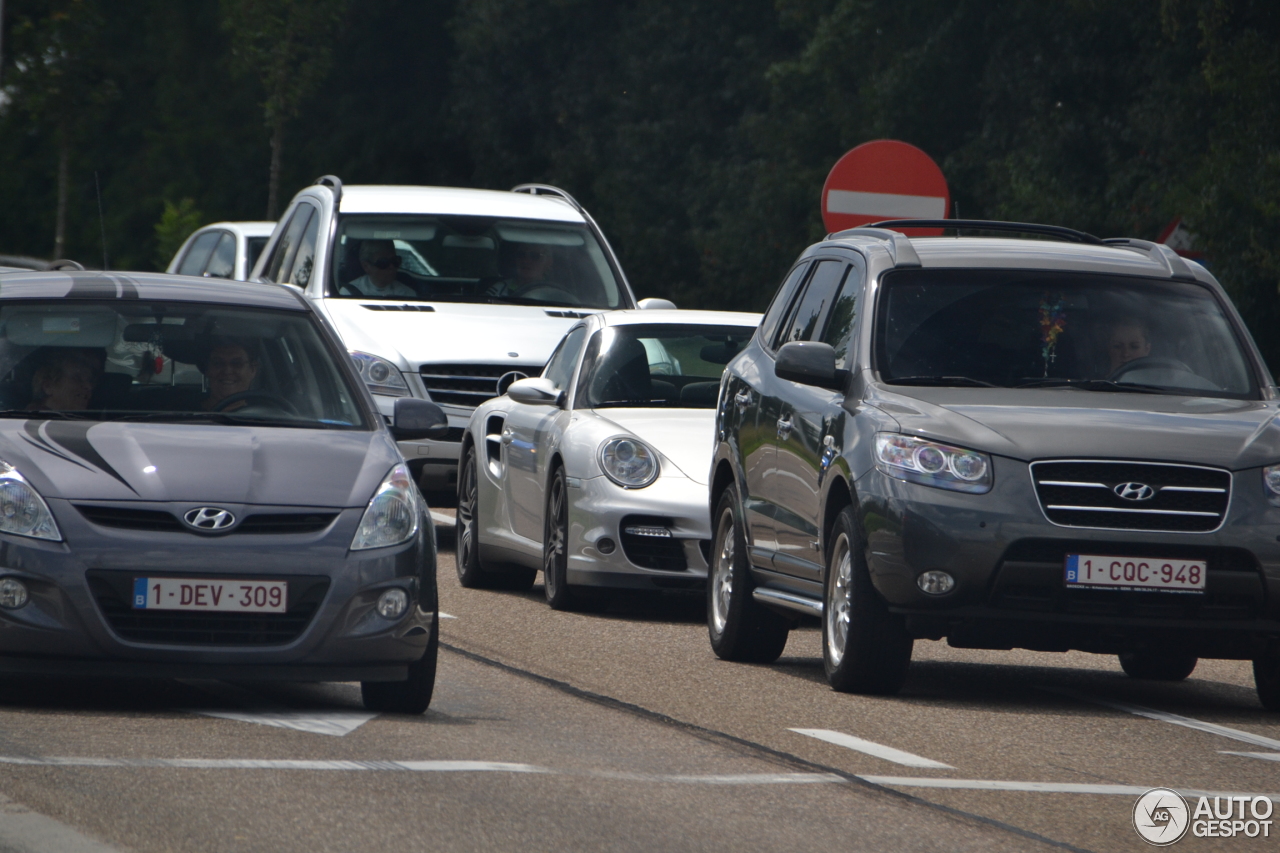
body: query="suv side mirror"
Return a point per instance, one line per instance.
(810, 363)
(535, 392)
(415, 419)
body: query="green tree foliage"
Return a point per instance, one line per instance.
(176, 224)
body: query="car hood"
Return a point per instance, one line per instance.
(88, 460)
(1031, 424)
(683, 436)
(450, 332)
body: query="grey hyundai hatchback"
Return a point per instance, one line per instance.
(195, 482)
(1052, 443)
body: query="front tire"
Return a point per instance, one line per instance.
(740, 629)
(472, 573)
(413, 695)
(1153, 666)
(865, 648)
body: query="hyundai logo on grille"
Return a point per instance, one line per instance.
(505, 380)
(1135, 491)
(209, 518)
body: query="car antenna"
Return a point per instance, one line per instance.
(102, 224)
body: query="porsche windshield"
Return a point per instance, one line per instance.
(669, 365)
(159, 361)
(1050, 329)
(472, 259)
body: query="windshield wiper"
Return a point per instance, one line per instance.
(46, 414)
(941, 380)
(224, 418)
(1090, 385)
(630, 404)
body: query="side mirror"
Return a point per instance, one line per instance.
(655, 302)
(810, 363)
(535, 392)
(415, 419)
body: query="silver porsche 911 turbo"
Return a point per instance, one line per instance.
(596, 471)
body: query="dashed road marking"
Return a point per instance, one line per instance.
(1265, 756)
(1043, 787)
(444, 615)
(256, 709)
(878, 750)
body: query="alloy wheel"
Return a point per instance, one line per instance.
(722, 575)
(839, 604)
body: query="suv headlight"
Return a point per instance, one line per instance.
(1271, 483)
(932, 464)
(393, 512)
(380, 375)
(22, 510)
(629, 462)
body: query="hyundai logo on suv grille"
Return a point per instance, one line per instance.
(209, 518)
(1135, 491)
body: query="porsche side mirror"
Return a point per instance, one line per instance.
(417, 419)
(535, 392)
(810, 363)
(655, 302)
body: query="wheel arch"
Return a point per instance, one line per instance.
(722, 479)
(839, 496)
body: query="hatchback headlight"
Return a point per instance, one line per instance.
(1271, 483)
(22, 510)
(932, 464)
(393, 513)
(380, 375)
(629, 462)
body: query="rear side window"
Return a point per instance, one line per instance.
(222, 263)
(781, 301)
(305, 261)
(287, 246)
(198, 255)
(807, 320)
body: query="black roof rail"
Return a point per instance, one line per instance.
(64, 264)
(1058, 231)
(334, 183)
(547, 189)
(1177, 267)
(900, 248)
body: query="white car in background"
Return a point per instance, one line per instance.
(222, 250)
(441, 305)
(596, 472)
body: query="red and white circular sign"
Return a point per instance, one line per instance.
(885, 179)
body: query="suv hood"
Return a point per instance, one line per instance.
(682, 436)
(1030, 424)
(115, 461)
(450, 331)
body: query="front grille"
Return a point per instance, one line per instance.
(131, 519)
(469, 384)
(113, 591)
(286, 522)
(646, 548)
(126, 518)
(1182, 498)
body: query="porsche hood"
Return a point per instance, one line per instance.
(683, 436)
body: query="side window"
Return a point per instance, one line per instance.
(781, 301)
(222, 263)
(297, 228)
(198, 255)
(560, 368)
(842, 325)
(305, 261)
(808, 319)
(288, 243)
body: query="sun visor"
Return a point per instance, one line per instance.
(82, 327)
(543, 236)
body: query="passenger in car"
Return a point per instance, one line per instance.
(65, 378)
(231, 368)
(380, 263)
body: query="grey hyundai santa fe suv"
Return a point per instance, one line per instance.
(1052, 443)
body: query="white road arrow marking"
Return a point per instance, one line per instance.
(878, 750)
(256, 709)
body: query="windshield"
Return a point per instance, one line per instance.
(472, 259)
(1050, 329)
(668, 365)
(162, 361)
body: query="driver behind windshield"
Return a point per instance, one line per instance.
(524, 267)
(64, 379)
(1128, 341)
(230, 370)
(380, 263)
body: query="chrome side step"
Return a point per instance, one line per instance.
(787, 601)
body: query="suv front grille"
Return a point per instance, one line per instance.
(469, 384)
(113, 592)
(127, 518)
(1166, 497)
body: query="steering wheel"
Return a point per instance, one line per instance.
(1151, 362)
(250, 397)
(549, 293)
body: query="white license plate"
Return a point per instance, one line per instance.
(1090, 570)
(206, 594)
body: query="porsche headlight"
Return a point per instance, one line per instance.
(932, 464)
(629, 462)
(22, 510)
(380, 375)
(393, 513)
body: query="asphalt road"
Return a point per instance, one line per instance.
(621, 731)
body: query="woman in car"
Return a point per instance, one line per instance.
(64, 379)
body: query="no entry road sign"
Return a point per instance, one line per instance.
(884, 179)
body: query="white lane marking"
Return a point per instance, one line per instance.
(256, 709)
(24, 830)
(444, 615)
(887, 205)
(728, 779)
(878, 750)
(1176, 719)
(1265, 756)
(443, 520)
(1043, 787)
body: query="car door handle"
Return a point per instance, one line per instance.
(507, 436)
(742, 400)
(784, 428)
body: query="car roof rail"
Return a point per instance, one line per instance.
(334, 183)
(1058, 231)
(1177, 267)
(900, 248)
(64, 264)
(547, 189)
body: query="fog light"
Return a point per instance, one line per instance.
(392, 603)
(605, 546)
(650, 530)
(13, 593)
(936, 583)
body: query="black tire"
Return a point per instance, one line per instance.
(472, 572)
(1153, 666)
(739, 628)
(555, 552)
(1266, 678)
(865, 648)
(413, 695)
